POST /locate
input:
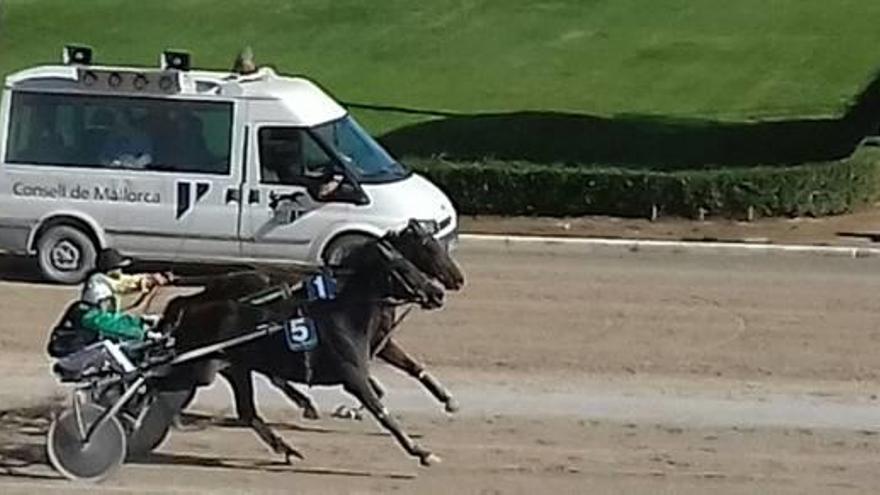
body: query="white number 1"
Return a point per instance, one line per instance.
(319, 287)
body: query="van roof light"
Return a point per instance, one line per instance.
(77, 54)
(175, 59)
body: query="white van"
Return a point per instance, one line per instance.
(185, 165)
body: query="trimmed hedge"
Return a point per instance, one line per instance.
(517, 188)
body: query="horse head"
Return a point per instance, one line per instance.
(426, 253)
(380, 264)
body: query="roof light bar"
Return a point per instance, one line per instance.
(175, 59)
(77, 55)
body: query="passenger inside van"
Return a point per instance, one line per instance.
(45, 143)
(179, 142)
(98, 129)
(129, 146)
(194, 153)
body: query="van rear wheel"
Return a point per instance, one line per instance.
(66, 254)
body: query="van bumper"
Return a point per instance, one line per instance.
(14, 238)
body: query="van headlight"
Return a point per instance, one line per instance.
(429, 226)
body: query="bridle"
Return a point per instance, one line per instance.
(396, 264)
(417, 244)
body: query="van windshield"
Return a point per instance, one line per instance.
(368, 161)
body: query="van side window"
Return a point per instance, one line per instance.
(290, 156)
(120, 132)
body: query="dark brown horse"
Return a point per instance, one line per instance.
(370, 278)
(421, 248)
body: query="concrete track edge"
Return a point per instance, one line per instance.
(670, 246)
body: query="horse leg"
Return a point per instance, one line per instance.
(243, 389)
(345, 412)
(358, 385)
(394, 355)
(243, 394)
(377, 387)
(178, 422)
(302, 400)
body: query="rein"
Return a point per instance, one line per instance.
(286, 291)
(186, 280)
(145, 299)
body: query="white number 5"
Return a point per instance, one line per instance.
(299, 332)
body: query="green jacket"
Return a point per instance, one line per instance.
(114, 325)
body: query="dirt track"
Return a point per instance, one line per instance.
(608, 373)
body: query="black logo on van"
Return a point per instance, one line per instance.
(188, 194)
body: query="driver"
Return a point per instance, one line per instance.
(102, 292)
(285, 164)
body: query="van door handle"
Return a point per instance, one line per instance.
(253, 196)
(233, 194)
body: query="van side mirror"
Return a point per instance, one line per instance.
(350, 193)
(338, 189)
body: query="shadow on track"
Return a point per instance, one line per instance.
(232, 422)
(260, 465)
(23, 450)
(22, 447)
(19, 269)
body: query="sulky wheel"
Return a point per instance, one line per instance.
(78, 459)
(156, 422)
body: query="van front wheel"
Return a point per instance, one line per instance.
(340, 247)
(66, 254)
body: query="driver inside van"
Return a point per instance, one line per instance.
(282, 159)
(102, 293)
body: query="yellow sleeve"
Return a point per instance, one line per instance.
(126, 284)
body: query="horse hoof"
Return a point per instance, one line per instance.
(452, 406)
(311, 413)
(345, 412)
(429, 459)
(291, 452)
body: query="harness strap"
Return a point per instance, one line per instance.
(284, 291)
(382, 343)
(262, 331)
(400, 320)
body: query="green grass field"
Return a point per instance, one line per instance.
(717, 59)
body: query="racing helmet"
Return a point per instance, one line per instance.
(111, 259)
(97, 290)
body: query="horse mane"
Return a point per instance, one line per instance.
(361, 257)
